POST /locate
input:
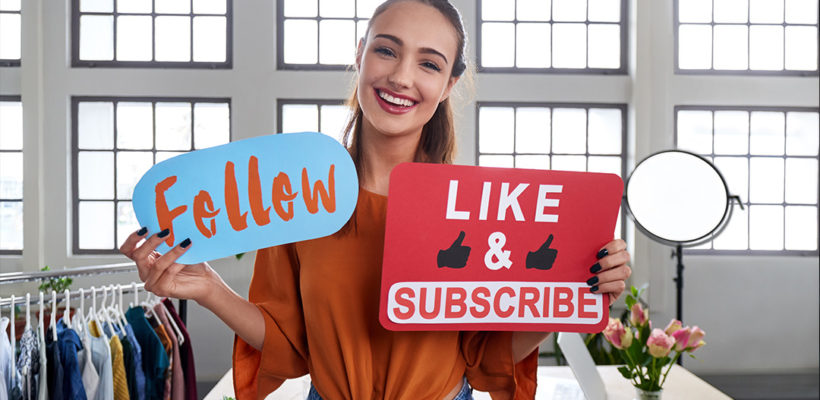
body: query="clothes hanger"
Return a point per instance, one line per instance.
(99, 313)
(136, 295)
(40, 327)
(54, 315)
(115, 311)
(67, 312)
(109, 310)
(13, 344)
(174, 325)
(81, 325)
(28, 311)
(123, 320)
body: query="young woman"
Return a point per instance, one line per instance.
(313, 305)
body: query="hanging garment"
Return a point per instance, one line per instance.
(101, 356)
(132, 355)
(154, 359)
(42, 376)
(166, 344)
(69, 344)
(28, 364)
(91, 379)
(177, 377)
(118, 370)
(186, 351)
(5, 360)
(54, 363)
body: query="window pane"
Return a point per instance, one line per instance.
(96, 6)
(532, 162)
(10, 5)
(695, 11)
(766, 11)
(801, 48)
(135, 128)
(605, 10)
(497, 10)
(173, 126)
(212, 124)
(532, 46)
(731, 132)
(95, 175)
(569, 163)
(801, 11)
(95, 125)
(569, 45)
(173, 39)
(496, 161)
(10, 36)
(11, 225)
(126, 221)
(495, 125)
(333, 121)
(164, 155)
(11, 125)
(569, 10)
(766, 47)
(605, 131)
(210, 6)
(766, 227)
(301, 42)
(531, 10)
(134, 38)
(735, 235)
(301, 8)
(801, 180)
(766, 184)
(695, 131)
(695, 46)
(361, 30)
(801, 228)
(731, 10)
(802, 133)
(767, 133)
(569, 130)
(495, 44)
(96, 37)
(134, 6)
(532, 130)
(131, 165)
(735, 171)
(365, 8)
(336, 8)
(209, 39)
(300, 118)
(604, 46)
(337, 42)
(731, 47)
(11, 175)
(96, 222)
(610, 165)
(173, 6)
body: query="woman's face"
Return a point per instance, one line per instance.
(404, 67)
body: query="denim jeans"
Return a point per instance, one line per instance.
(466, 392)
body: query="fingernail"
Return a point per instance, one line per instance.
(164, 233)
(142, 231)
(185, 243)
(593, 289)
(592, 281)
(595, 268)
(602, 253)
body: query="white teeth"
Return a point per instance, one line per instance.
(394, 100)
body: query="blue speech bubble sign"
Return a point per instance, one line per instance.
(249, 194)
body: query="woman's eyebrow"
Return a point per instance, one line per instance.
(425, 50)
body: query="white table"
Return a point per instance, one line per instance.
(681, 384)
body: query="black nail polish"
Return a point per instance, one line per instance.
(164, 233)
(185, 243)
(592, 281)
(602, 253)
(595, 268)
(593, 289)
(142, 231)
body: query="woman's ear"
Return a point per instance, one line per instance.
(359, 50)
(450, 83)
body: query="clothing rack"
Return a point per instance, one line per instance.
(18, 277)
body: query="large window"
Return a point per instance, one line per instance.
(325, 116)
(746, 36)
(578, 36)
(11, 175)
(115, 141)
(568, 137)
(146, 33)
(769, 157)
(10, 34)
(320, 34)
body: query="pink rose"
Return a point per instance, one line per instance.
(659, 343)
(616, 334)
(639, 316)
(673, 326)
(696, 339)
(681, 338)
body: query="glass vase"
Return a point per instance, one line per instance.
(641, 394)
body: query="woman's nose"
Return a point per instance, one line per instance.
(401, 76)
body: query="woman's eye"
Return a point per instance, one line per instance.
(384, 51)
(430, 65)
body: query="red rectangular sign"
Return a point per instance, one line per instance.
(477, 248)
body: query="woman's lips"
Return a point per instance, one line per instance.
(390, 107)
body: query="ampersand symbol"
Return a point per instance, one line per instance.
(497, 240)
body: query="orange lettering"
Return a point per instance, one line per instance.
(282, 192)
(328, 196)
(260, 215)
(165, 216)
(202, 209)
(238, 219)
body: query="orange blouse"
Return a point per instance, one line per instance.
(320, 300)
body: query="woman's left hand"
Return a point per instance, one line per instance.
(609, 274)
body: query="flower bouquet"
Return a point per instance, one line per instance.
(648, 351)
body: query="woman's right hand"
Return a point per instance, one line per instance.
(162, 275)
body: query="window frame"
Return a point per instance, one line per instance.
(76, 62)
(75, 200)
(10, 62)
(623, 70)
(747, 72)
(281, 102)
(746, 202)
(7, 252)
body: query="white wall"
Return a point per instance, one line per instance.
(760, 313)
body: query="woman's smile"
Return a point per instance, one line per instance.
(394, 103)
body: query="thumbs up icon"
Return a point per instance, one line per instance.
(455, 256)
(543, 258)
